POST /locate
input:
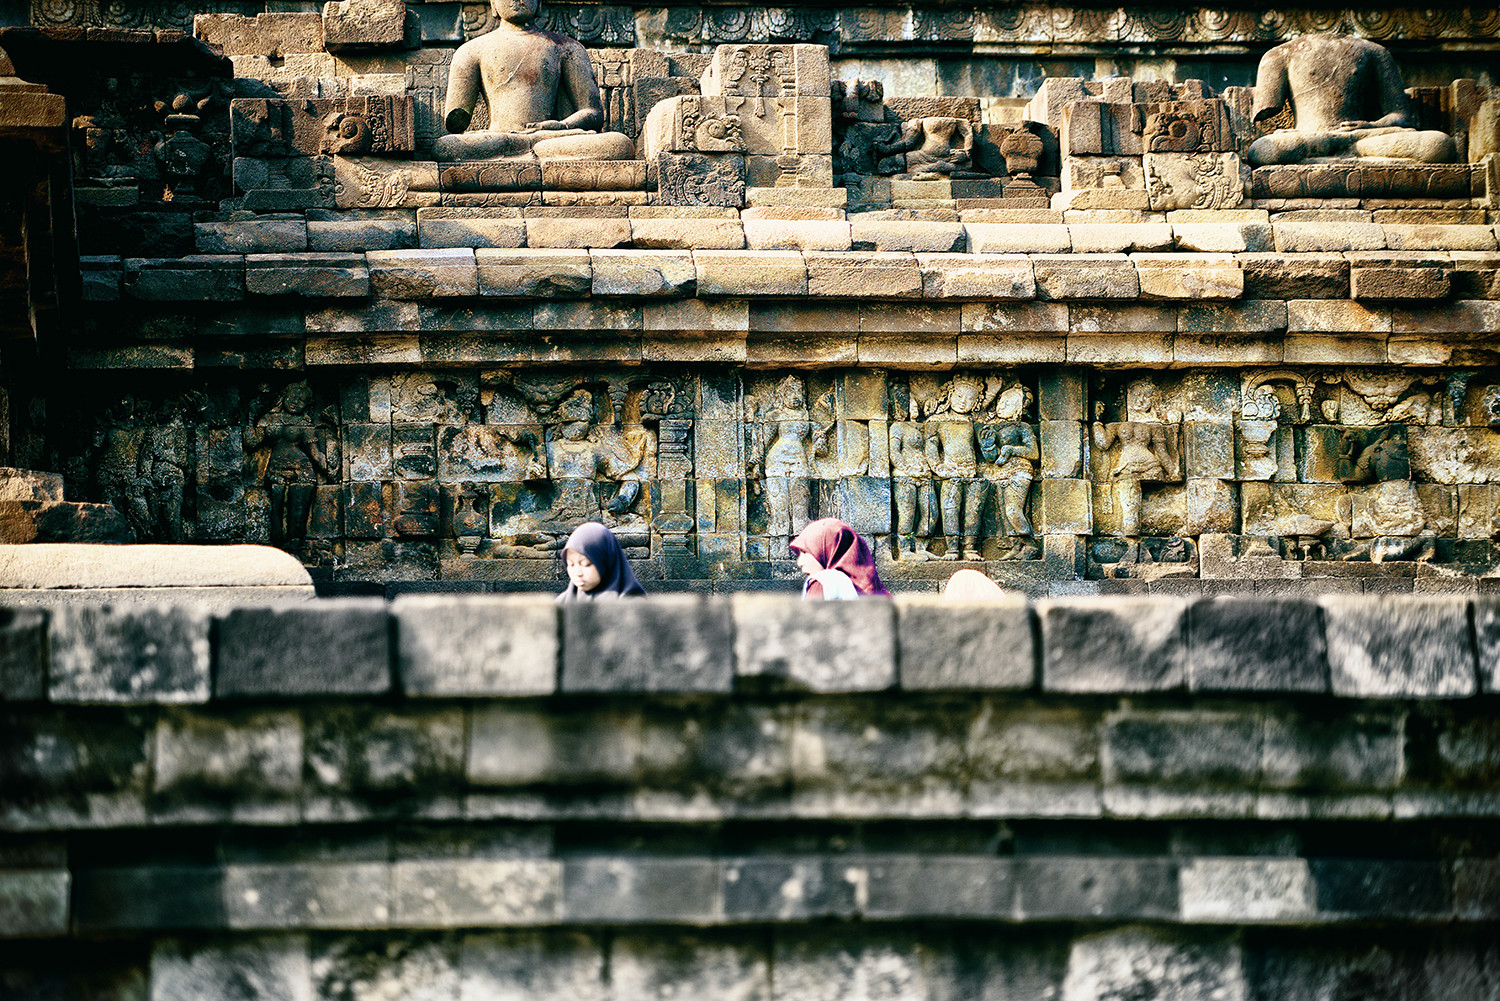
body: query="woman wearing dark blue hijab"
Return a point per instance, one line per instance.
(597, 568)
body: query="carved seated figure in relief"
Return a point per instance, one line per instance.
(541, 93)
(1347, 100)
(930, 148)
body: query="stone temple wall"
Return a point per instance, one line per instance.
(462, 797)
(1053, 327)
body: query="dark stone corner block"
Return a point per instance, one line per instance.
(333, 647)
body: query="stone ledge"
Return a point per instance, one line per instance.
(705, 891)
(1419, 647)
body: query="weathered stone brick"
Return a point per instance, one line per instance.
(468, 645)
(1104, 238)
(1246, 890)
(334, 647)
(976, 646)
(1250, 644)
(298, 895)
(512, 745)
(23, 654)
(1143, 961)
(829, 646)
(135, 654)
(1399, 647)
(1319, 753)
(1095, 888)
(667, 643)
(1323, 237)
(439, 227)
(1183, 748)
(147, 898)
(991, 276)
(60, 771)
(1085, 276)
(847, 965)
(1487, 635)
(322, 275)
(458, 893)
(911, 887)
(639, 890)
(254, 235)
(1399, 283)
(742, 273)
(551, 965)
(1381, 888)
(796, 234)
(210, 277)
(270, 967)
(564, 232)
(367, 761)
(422, 274)
(245, 767)
(1113, 644)
(774, 888)
(867, 275)
(698, 965)
(643, 273)
(1017, 238)
(33, 903)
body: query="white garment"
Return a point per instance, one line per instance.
(836, 585)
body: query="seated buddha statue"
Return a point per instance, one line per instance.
(541, 93)
(1347, 101)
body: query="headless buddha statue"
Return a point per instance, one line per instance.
(540, 89)
(1347, 100)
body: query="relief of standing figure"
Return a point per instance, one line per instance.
(785, 464)
(913, 490)
(289, 462)
(954, 461)
(1012, 446)
(1144, 455)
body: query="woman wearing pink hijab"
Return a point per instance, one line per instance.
(837, 562)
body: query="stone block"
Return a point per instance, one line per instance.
(1336, 316)
(373, 183)
(147, 898)
(448, 228)
(1189, 276)
(986, 276)
(23, 655)
(562, 232)
(151, 654)
(1325, 237)
(360, 24)
(830, 646)
(273, 966)
(245, 767)
(913, 887)
(861, 276)
(251, 236)
(294, 896)
(479, 892)
(1237, 891)
(1409, 648)
(1062, 449)
(1120, 349)
(688, 966)
(1321, 753)
(1399, 283)
(670, 643)
(967, 646)
(1094, 889)
(1384, 888)
(1228, 238)
(331, 648)
(1085, 276)
(468, 646)
(1162, 751)
(1017, 238)
(360, 230)
(727, 273)
(796, 234)
(319, 275)
(422, 274)
(209, 277)
(273, 34)
(551, 965)
(1110, 238)
(1439, 237)
(1256, 644)
(621, 890)
(1139, 961)
(687, 234)
(1295, 276)
(761, 888)
(643, 273)
(1252, 317)
(1065, 507)
(33, 903)
(1113, 644)
(913, 237)
(541, 273)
